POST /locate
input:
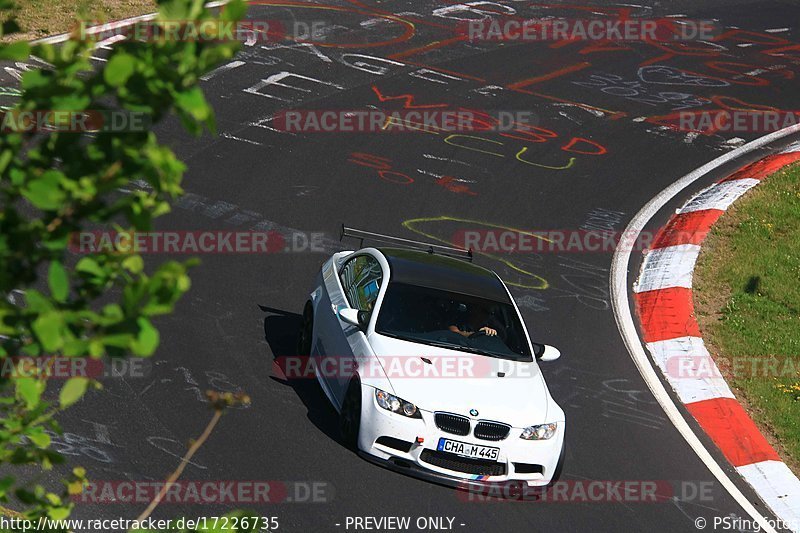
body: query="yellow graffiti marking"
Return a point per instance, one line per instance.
(449, 137)
(392, 120)
(449, 140)
(525, 149)
(542, 283)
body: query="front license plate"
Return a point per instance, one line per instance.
(468, 450)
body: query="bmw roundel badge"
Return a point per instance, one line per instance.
(473, 412)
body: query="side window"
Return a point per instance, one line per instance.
(361, 280)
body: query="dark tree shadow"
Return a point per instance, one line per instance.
(281, 330)
(752, 285)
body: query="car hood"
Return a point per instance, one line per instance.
(457, 382)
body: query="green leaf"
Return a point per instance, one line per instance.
(72, 391)
(58, 513)
(38, 302)
(71, 102)
(88, 265)
(58, 280)
(147, 340)
(5, 484)
(47, 328)
(39, 437)
(29, 390)
(96, 348)
(194, 103)
(134, 264)
(235, 10)
(45, 191)
(25, 496)
(5, 158)
(33, 350)
(34, 79)
(18, 51)
(118, 69)
(75, 347)
(118, 340)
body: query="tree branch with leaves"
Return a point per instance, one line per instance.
(58, 183)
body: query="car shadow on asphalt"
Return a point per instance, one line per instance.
(281, 330)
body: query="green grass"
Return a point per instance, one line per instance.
(40, 18)
(747, 299)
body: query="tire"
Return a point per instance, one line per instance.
(306, 331)
(350, 417)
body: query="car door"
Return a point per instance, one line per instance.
(360, 278)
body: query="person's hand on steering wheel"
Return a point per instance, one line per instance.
(485, 330)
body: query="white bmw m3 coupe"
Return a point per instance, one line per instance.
(427, 360)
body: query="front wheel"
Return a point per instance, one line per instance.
(350, 417)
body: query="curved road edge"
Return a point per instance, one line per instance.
(663, 296)
(621, 290)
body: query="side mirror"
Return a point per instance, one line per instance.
(543, 352)
(354, 317)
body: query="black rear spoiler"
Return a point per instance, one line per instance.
(450, 251)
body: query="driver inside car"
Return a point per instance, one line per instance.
(476, 322)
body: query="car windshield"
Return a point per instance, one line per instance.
(452, 320)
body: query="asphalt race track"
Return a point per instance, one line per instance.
(609, 151)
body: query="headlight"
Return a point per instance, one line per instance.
(540, 432)
(392, 403)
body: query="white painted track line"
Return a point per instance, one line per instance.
(618, 280)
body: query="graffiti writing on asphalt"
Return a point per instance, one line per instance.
(8, 95)
(211, 379)
(433, 227)
(362, 30)
(72, 443)
(385, 172)
(172, 447)
(479, 121)
(724, 106)
(618, 398)
(77, 445)
(286, 86)
(579, 282)
(636, 91)
(602, 219)
(585, 283)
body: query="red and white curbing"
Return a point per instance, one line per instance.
(663, 296)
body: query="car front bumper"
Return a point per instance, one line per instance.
(390, 439)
